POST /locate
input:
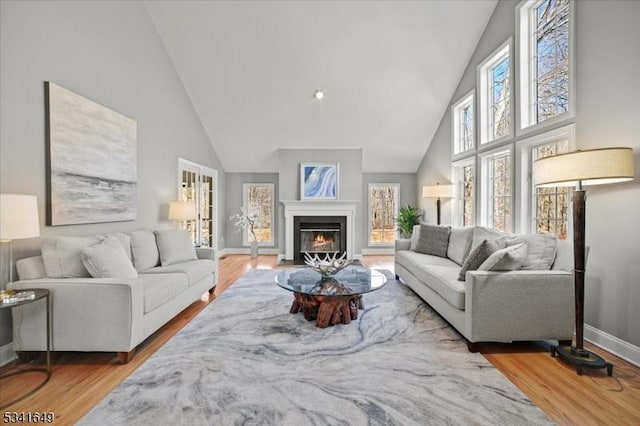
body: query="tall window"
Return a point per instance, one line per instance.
(545, 46)
(551, 205)
(496, 194)
(464, 176)
(383, 209)
(463, 125)
(494, 81)
(200, 184)
(258, 201)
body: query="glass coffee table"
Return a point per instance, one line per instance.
(329, 301)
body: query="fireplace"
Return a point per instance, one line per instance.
(320, 235)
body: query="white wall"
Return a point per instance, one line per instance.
(110, 53)
(607, 114)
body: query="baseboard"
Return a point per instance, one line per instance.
(616, 346)
(7, 354)
(247, 250)
(378, 251)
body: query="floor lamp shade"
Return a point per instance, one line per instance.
(18, 217)
(182, 210)
(591, 167)
(437, 191)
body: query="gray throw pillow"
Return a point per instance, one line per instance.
(108, 259)
(433, 240)
(478, 255)
(144, 250)
(175, 246)
(509, 258)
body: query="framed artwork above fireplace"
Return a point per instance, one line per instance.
(318, 181)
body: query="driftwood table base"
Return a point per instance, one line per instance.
(327, 310)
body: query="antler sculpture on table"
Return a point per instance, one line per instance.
(329, 266)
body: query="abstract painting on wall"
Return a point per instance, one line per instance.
(91, 153)
(318, 181)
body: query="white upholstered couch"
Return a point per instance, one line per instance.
(532, 302)
(144, 279)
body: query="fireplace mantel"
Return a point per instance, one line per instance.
(293, 208)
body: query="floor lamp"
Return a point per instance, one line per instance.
(582, 168)
(180, 211)
(18, 220)
(437, 191)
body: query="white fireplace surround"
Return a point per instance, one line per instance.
(293, 208)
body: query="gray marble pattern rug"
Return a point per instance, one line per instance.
(245, 360)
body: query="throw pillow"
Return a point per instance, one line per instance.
(478, 255)
(460, 241)
(175, 246)
(144, 250)
(509, 258)
(433, 240)
(107, 259)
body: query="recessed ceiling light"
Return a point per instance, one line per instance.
(318, 95)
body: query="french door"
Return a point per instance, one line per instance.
(199, 184)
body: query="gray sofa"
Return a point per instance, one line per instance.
(110, 292)
(532, 302)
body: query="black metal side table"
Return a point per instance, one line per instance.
(39, 295)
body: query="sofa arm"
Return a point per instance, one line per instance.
(88, 314)
(206, 253)
(519, 305)
(402, 244)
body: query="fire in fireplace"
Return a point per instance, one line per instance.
(319, 235)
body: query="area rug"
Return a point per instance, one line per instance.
(245, 360)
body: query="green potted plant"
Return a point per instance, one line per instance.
(406, 219)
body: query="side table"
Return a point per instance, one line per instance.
(39, 295)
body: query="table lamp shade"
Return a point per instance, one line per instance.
(18, 217)
(437, 191)
(591, 167)
(182, 210)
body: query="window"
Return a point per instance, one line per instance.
(463, 125)
(258, 201)
(199, 184)
(497, 189)
(464, 176)
(546, 51)
(383, 209)
(544, 210)
(494, 81)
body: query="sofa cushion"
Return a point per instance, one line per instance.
(194, 269)
(443, 279)
(412, 260)
(460, 240)
(125, 241)
(509, 258)
(174, 246)
(108, 259)
(564, 256)
(481, 233)
(433, 240)
(415, 236)
(159, 288)
(61, 256)
(144, 250)
(478, 255)
(541, 251)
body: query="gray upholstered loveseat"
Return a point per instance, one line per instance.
(532, 302)
(110, 292)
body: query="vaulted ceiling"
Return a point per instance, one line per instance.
(388, 70)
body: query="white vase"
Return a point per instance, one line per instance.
(254, 249)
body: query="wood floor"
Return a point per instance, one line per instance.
(81, 380)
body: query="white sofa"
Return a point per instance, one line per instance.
(532, 303)
(160, 274)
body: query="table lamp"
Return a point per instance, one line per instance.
(582, 168)
(18, 220)
(437, 191)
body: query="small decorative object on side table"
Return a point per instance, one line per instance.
(12, 299)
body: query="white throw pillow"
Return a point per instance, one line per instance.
(460, 241)
(509, 258)
(108, 259)
(415, 236)
(175, 246)
(61, 256)
(144, 250)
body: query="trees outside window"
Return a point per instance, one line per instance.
(383, 209)
(464, 179)
(545, 30)
(494, 82)
(463, 125)
(551, 205)
(496, 192)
